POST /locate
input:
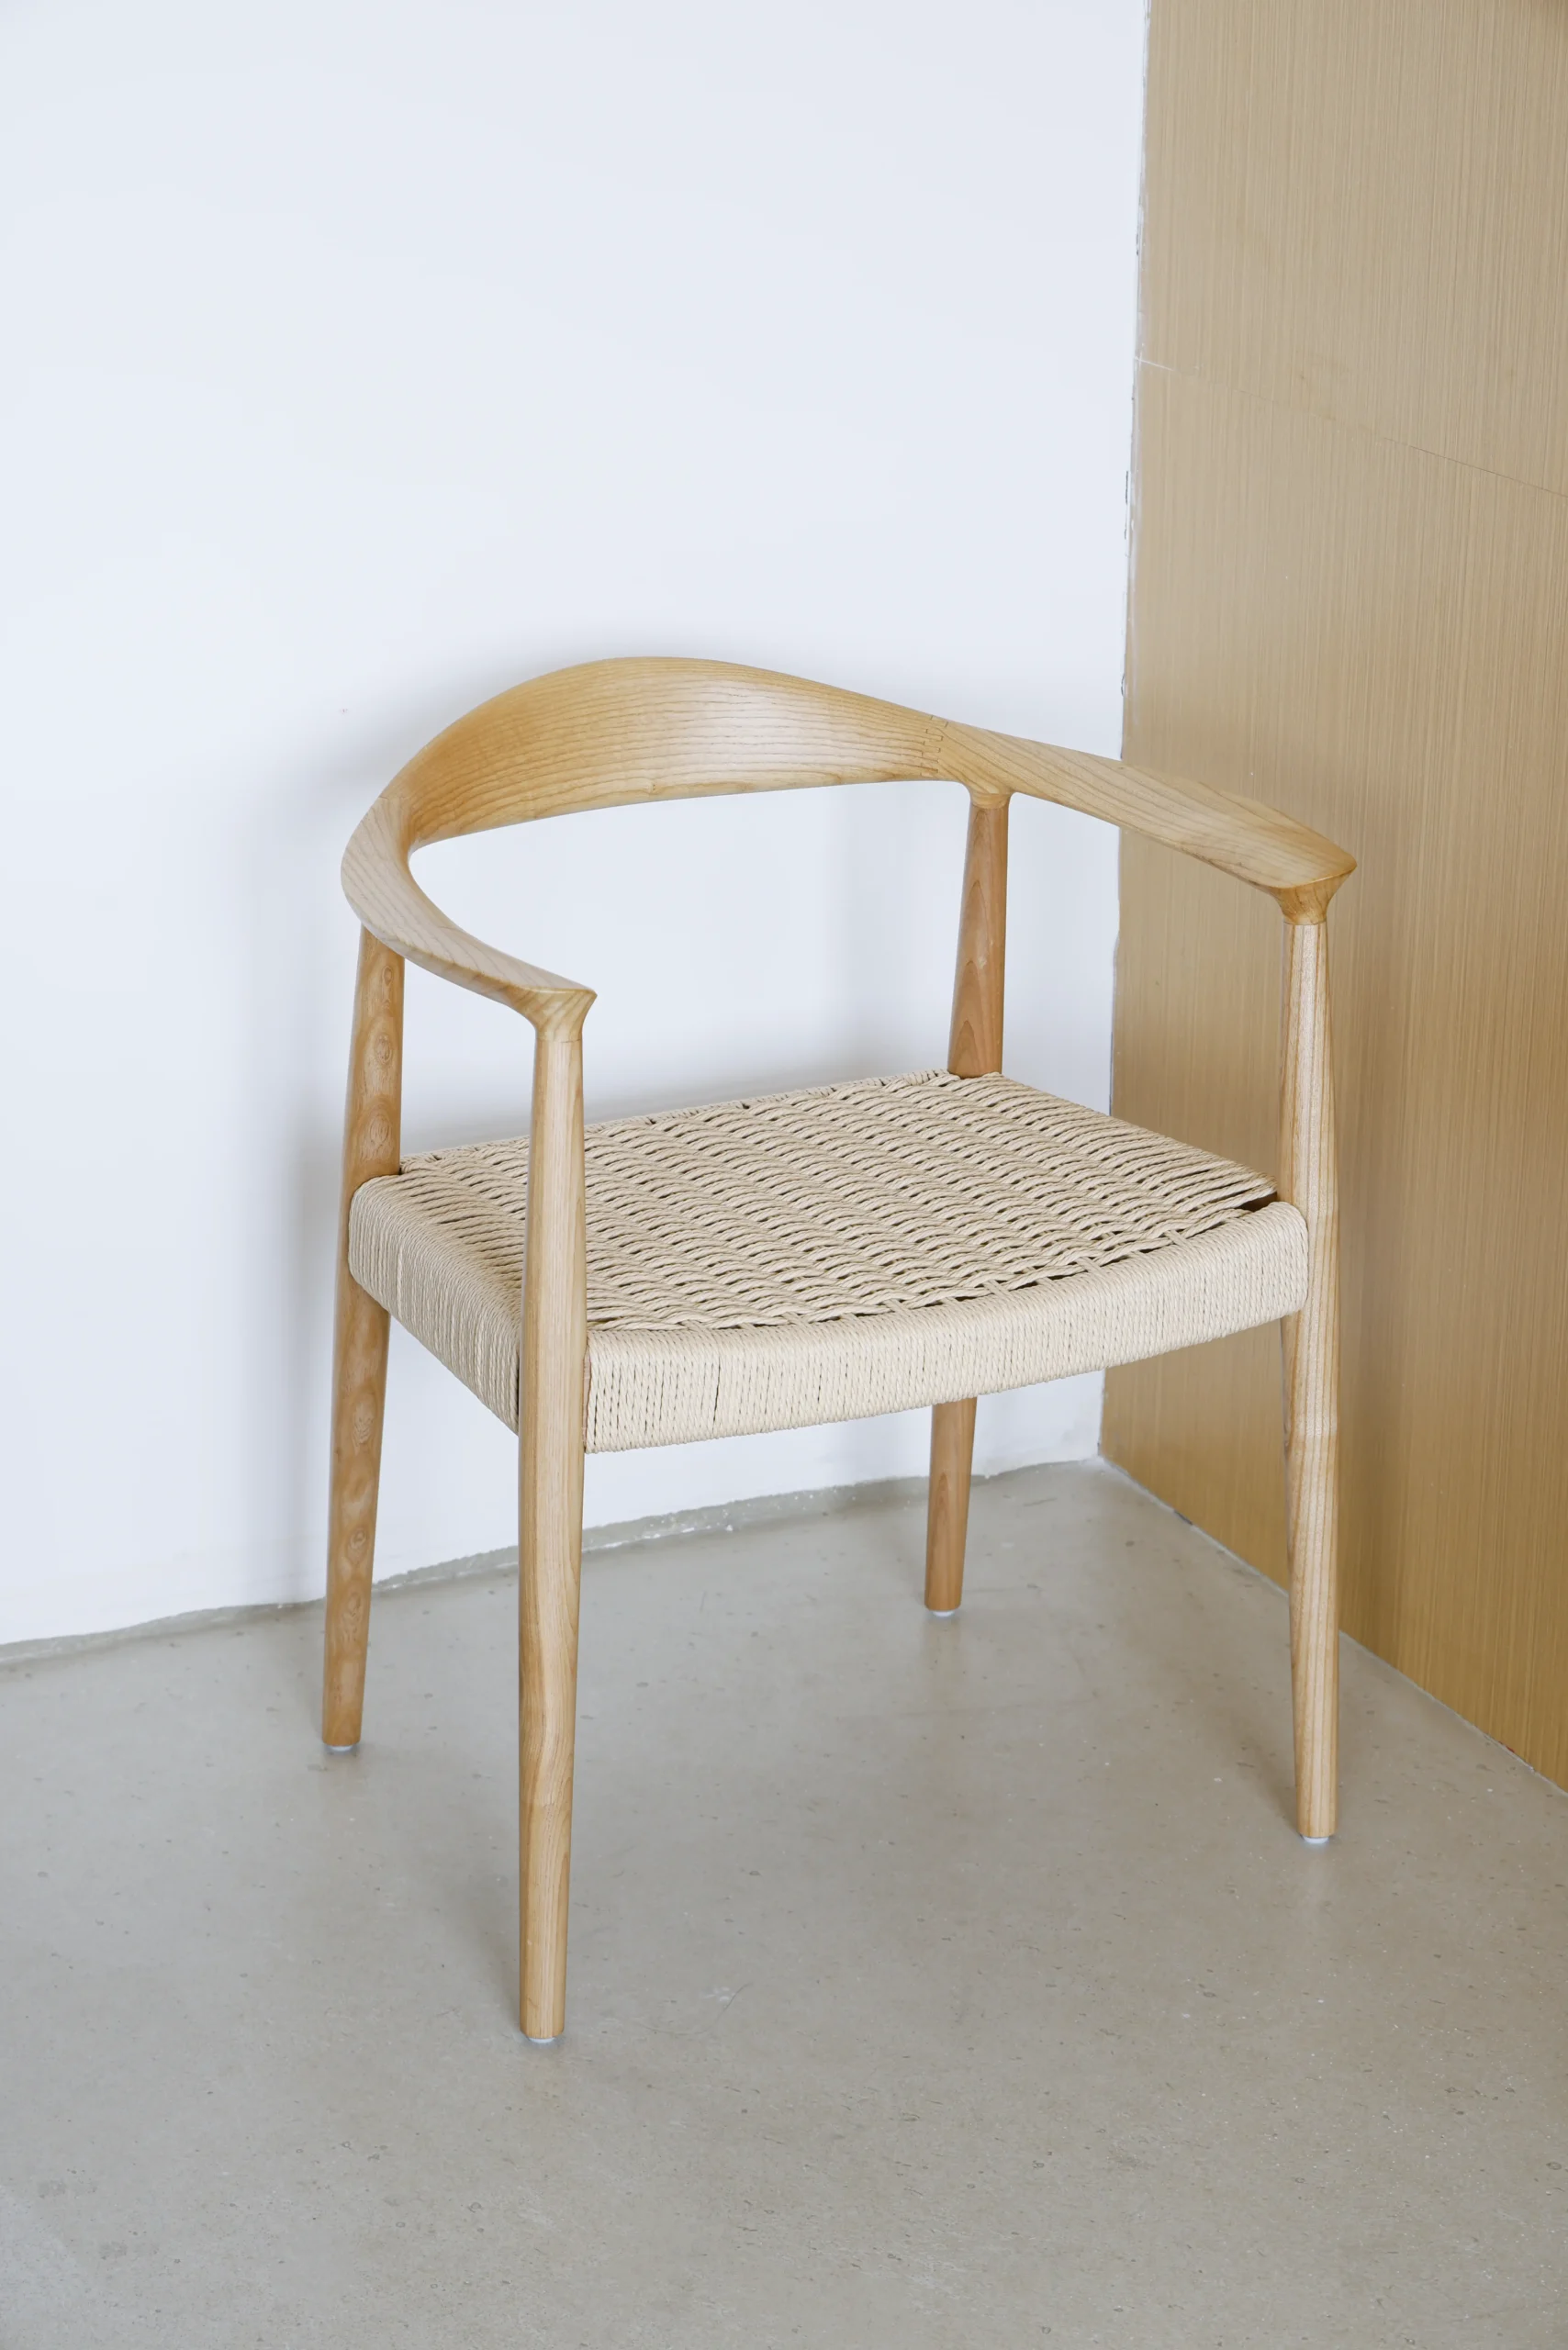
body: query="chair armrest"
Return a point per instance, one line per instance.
(1298, 868)
(393, 907)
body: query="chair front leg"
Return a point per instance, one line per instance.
(1311, 1342)
(550, 1521)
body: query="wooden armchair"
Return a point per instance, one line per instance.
(925, 1239)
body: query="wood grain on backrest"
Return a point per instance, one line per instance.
(616, 732)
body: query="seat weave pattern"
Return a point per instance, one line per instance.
(834, 1252)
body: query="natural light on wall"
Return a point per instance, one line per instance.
(365, 361)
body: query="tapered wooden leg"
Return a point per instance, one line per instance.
(371, 1146)
(1313, 1511)
(1311, 1342)
(947, 1504)
(974, 1049)
(555, 1340)
(359, 1395)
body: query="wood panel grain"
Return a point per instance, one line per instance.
(1360, 207)
(1350, 597)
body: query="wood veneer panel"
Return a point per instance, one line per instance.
(1375, 637)
(1360, 207)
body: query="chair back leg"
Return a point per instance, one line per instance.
(947, 1505)
(372, 1146)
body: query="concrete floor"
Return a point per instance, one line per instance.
(933, 1984)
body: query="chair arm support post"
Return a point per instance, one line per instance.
(974, 1042)
(372, 1147)
(550, 1416)
(1308, 1180)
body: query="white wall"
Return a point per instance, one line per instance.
(363, 359)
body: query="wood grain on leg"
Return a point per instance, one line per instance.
(1311, 1343)
(555, 1347)
(947, 1505)
(974, 1040)
(372, 1122)
(974, 1049)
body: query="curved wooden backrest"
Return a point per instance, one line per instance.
(614, 733)
(618, 731)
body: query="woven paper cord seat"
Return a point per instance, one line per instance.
(824, 1255)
